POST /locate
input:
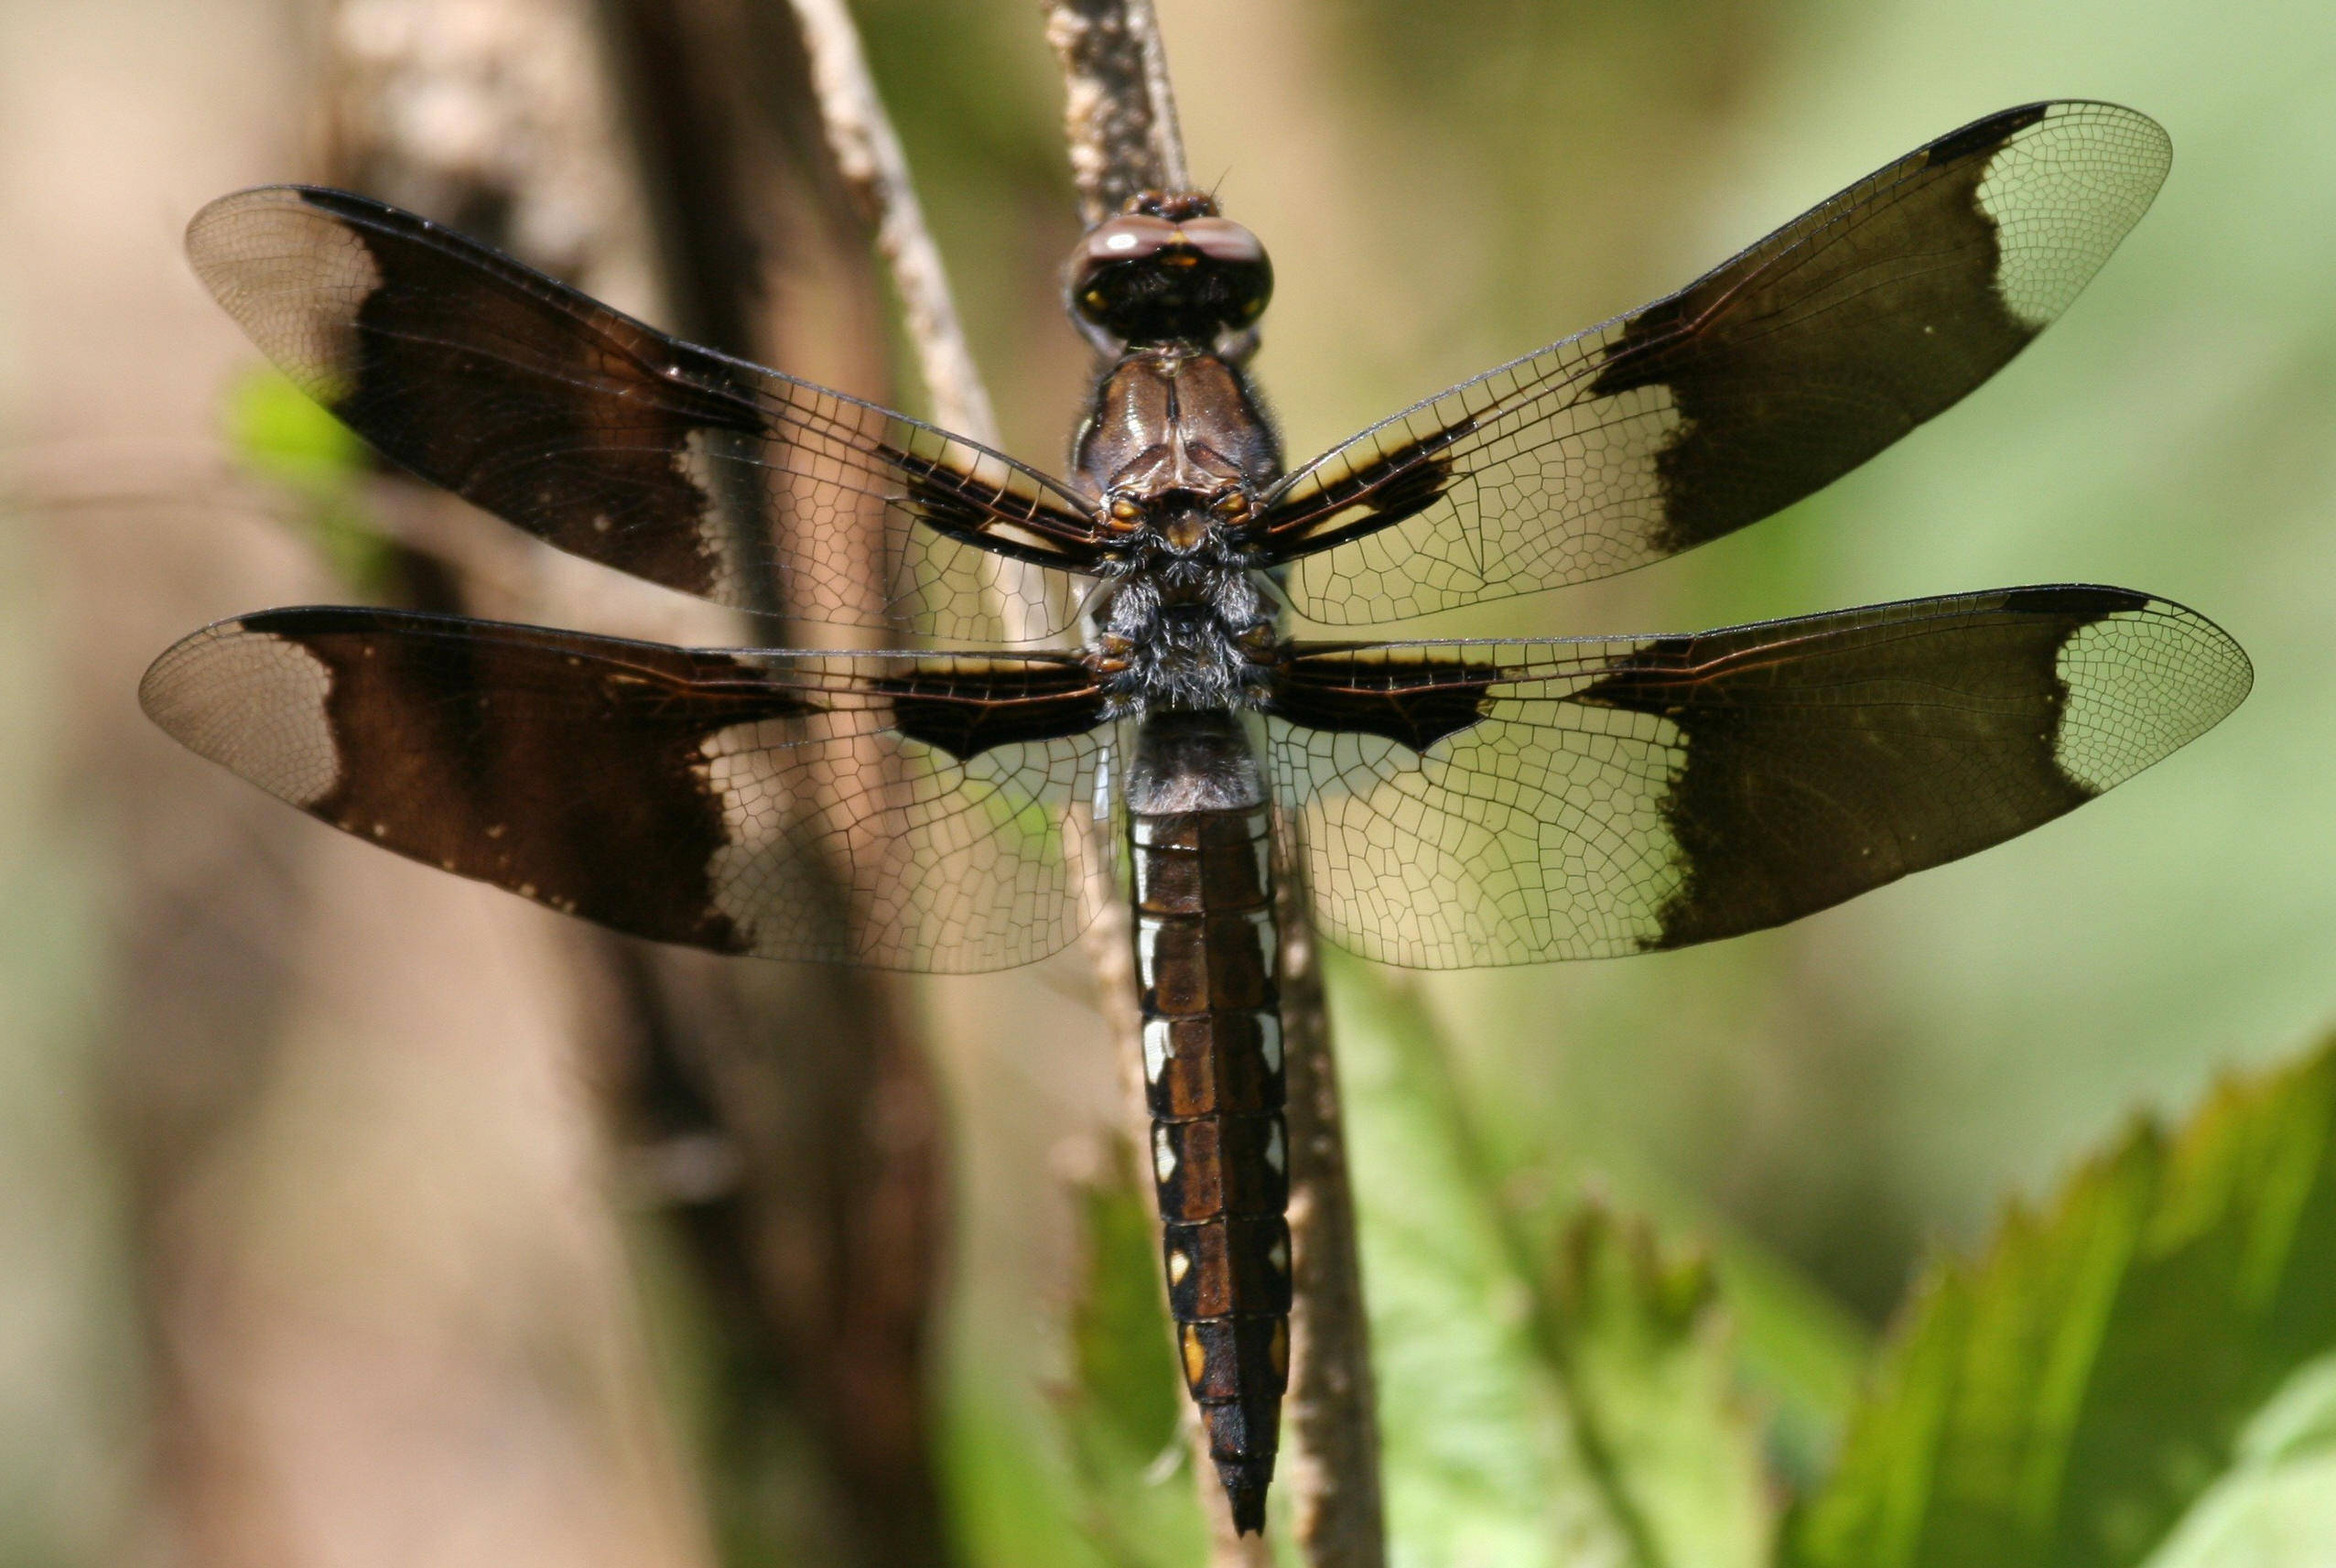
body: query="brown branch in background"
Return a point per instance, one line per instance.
(1121, 118)
(790, 1123)
(830, 1253)
(868, 153)
(819, 1232)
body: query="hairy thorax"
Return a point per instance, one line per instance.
(1178, 450)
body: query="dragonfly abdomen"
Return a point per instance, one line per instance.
(1205, 945)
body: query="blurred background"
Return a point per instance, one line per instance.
(353, 1213)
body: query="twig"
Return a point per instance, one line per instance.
(1121, 116)
(1332, 1474)
(868, 152)
(1119, 109)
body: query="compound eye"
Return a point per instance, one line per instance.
(1132, 237)
(1146, 276)
(1222, 240)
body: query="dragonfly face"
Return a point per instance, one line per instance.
(1456, 803)
(1169, 270)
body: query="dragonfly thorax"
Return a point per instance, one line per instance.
(1185, 631)
(1178, 450)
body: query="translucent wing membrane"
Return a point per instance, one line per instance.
(1754, 386)
(609, 439)
(1503, 803)
(907, 811)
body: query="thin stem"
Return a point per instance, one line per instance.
(869, 154)
(1119, 110)
(1124, 137)
(1332, 1477)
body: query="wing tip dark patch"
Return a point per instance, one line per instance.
(1733, 880)
(2076, 600)
(1985, 133)
(1710, 483)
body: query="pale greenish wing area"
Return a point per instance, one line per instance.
(1536, 833)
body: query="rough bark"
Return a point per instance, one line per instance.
(786, 1116)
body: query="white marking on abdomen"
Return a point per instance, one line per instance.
(1147, 948)
(1268, 1029)
(1268, 945)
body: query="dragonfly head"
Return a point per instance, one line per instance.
(1169, 270)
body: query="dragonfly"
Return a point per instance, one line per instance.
(1137, 722)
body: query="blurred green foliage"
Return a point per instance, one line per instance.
(1638, 1343)
(1546, 1374)
(2278, 1503)
(277, 433)
(2064, 1400)
(1121, 1412)
(2146, 1361)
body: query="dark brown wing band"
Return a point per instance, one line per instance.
(618, 443)
(903, 810)
(1762, 382)
(1498, 803)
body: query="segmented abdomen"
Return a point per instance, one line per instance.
(1206, 948)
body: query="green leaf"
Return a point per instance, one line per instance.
(1800, 1354)
(280, 433)
(1121, 1414)
(1478, 1467)
(281, 436)
(2066, 1399)
(2276, 1508)
(1647, 1358)
(1544, 1401)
